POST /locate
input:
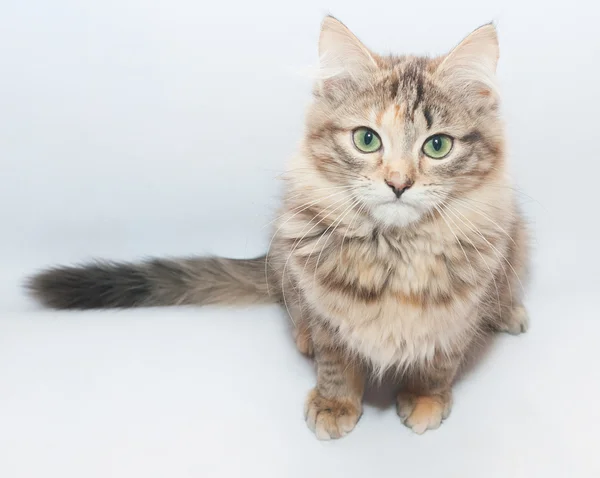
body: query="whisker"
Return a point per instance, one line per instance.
(342, 189)
(283, 224)
(497, 251)
(518, 191)
(310, 171)
(337, 224)
(481, 256)
(358, 211)
(295, 196)
(471, 200)
(295, 246)
(462, 201)
(459, 243)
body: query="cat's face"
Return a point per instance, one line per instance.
(404, 135)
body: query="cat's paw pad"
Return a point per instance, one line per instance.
(329, 418)
(517, 323)
(421, 413)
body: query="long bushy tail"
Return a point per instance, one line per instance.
(157, 282)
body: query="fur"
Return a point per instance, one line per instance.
(372, 280)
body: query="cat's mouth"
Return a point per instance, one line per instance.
(400, 202)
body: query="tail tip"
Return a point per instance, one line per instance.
(98, 285)
(45, 288)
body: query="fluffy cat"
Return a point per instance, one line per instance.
(399, 241)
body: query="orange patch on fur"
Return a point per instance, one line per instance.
(421, 413)
(422, 301)
(411, 299)
(397, 111)
(400, 112)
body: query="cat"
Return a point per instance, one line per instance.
(399, 241)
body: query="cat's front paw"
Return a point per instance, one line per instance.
(517, 323)
(304, 342)
(330, 418)
(423, 412)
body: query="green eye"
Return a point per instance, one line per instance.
(366, 140)
(438, 146)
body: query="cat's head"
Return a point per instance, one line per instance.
(399, 135)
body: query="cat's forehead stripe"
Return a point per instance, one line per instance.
(428, 117)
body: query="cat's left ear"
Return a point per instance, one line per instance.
(341, 54)
(473, 62)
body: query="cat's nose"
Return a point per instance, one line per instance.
(398, 183)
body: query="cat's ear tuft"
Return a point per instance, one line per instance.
(473, 61)
(341, 54)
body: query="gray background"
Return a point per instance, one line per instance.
(135, 127)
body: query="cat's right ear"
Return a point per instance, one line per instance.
(472, 64)
(342, 56)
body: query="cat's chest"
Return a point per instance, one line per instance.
(400, 268)
(394, 305)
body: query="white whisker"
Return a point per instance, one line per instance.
(358, 211)
(283, 224)
(475, 229)
(297, 243)
(459, 243)
(480, 212)
(481, 256)
(339, 221)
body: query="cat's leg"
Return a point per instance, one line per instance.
(514, 320)
(301, 324)
(509, 315)
(426, 397)
(303, 338)
(334, 406)
(300, 318)
(513, 317)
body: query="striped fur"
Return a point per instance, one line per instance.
(373, 281)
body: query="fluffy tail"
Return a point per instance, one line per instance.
(198, 281)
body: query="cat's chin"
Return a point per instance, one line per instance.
(395, 214)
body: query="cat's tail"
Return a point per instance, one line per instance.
(156, 282)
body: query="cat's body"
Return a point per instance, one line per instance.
(387, 255)
(393, 297)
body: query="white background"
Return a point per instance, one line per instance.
(151, 127)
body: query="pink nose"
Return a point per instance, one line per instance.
(398, 183)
